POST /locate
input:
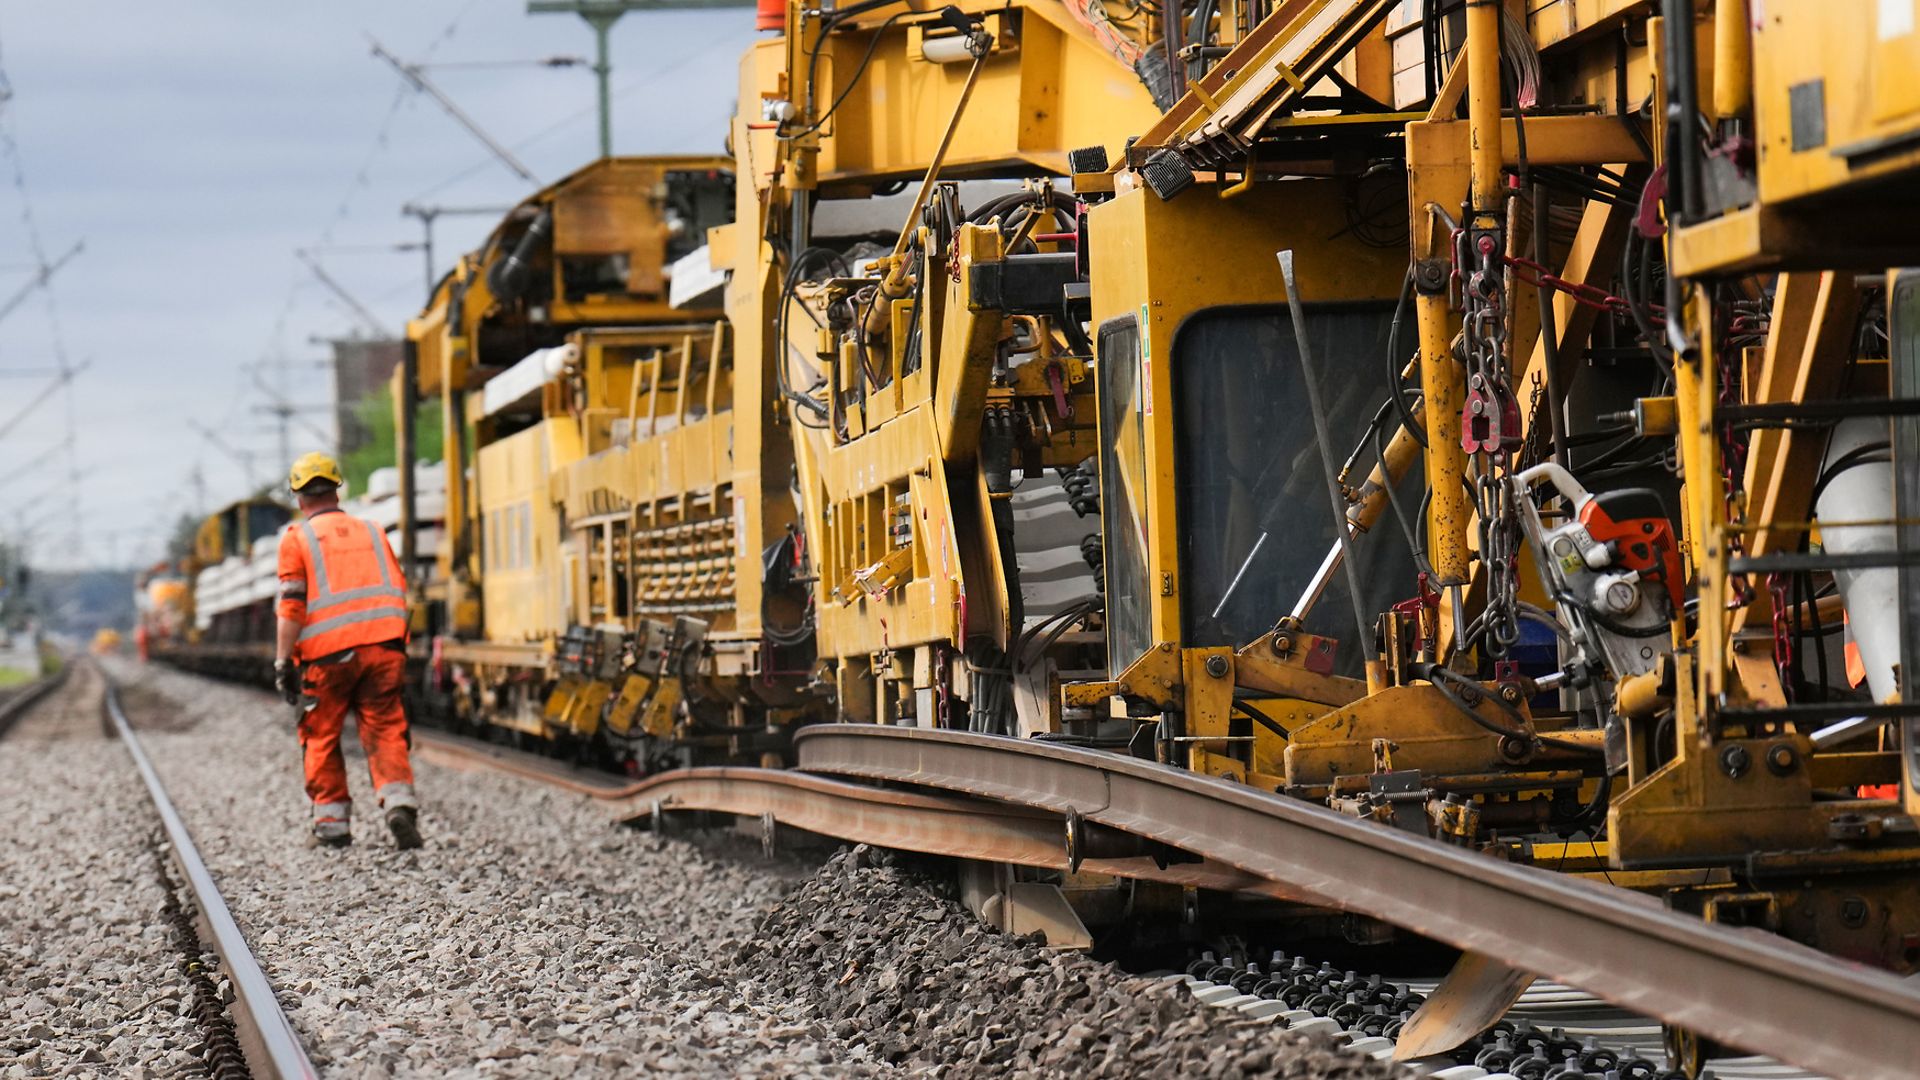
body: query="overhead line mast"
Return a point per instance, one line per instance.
(601, 15)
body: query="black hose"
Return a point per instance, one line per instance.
(1261, 718)
(1395, 363)
(1414, 546)
(1549, 334)
(1873, 453)
(508, 279)
(1197, 36)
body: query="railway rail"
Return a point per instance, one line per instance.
(22, 699)
(1007, 800)
(266, 1037)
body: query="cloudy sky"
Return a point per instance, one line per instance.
(194, 147)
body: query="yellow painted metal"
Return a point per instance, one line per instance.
(1207, 708)
(1426, 733)
(1560, 24)
(679, 476)
(1144, 268)
(1264, 75)
(1024, 119)
(1732, 60)
(613, 211)
(518, 528)
(1853, 69)
(1443, 386)
(1483, 106)
(1277, 663)
(652, 505)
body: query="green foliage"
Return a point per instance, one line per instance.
(375, 413)
(180, 542)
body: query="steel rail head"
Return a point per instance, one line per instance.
(32, 694)
(281, 1054)
(1745, 988)
(953, 826)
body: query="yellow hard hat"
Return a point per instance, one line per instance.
(314, 467)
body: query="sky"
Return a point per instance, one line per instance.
(194, 148)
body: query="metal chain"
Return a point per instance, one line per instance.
(1490, 431)
(1782, 641)
(1733, 455)
(1591, 296)
(1534, 451)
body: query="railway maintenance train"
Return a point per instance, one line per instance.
(1492, 422)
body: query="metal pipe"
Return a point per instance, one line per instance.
(1316, 408)
(879, 317)
(1371, 499)
(1549, 330)
(1682, 79)
(406, 403)
(1361, 515)
(1330, 564)
(1483, 106)
(1242, 572)
(1444, 388)
(946, 143)
(1732, 60)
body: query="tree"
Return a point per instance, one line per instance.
(180, 542)
(375, 413)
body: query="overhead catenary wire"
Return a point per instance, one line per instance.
(726, 40)
(411, 73)
(360, 180)
(36, 245)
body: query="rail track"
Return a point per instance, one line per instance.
(250, 1035)
(1601, 961)
(21, 700)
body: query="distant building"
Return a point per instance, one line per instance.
(361, 366)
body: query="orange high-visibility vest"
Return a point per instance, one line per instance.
(354, 592)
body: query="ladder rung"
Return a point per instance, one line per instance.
(1822, 710)
(1788, 564)
(1770, 412)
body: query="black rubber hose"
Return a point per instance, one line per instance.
(1395, 363)
(508, 279)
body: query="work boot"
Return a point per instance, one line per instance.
(405, 824)
(333, 832)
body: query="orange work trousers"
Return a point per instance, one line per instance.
(366, 680)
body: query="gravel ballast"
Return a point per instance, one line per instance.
(89, 973)
(893, 965)
(532, 937)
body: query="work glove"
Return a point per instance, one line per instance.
(286, 679)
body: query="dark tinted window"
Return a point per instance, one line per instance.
(1123, 492)
(1252, 491)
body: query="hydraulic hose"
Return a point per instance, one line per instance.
(508, 279)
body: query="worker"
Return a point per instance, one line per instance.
(342, 644)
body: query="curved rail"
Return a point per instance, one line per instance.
(1745, 988)
(268, 1037)
(949, 825)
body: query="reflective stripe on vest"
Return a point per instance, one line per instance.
(394, 598)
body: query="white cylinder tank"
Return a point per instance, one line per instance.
(1863, 491)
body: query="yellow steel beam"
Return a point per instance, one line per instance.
(1483, 106)
(1805, 359)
